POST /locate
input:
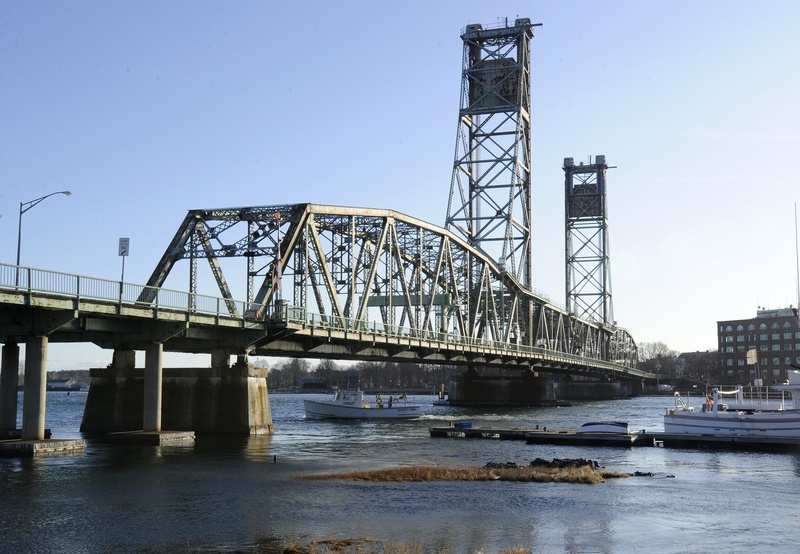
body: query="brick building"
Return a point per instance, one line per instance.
(774, 334)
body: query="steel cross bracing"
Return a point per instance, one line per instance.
(489, 202)
(358, 266)
(588, 268)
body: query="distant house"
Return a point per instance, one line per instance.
(63, 385)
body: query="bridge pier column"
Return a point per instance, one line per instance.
(123, 358)
(220, 358)
(9, 381)
(153, 386)
(33, 400)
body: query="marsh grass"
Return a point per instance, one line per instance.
(372, 546)
(527, 474)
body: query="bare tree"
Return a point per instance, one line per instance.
(325, 370)
(657, 357)
(295, 369)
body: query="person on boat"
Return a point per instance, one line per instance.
(391, 399)
(709, 404)
(379, 401)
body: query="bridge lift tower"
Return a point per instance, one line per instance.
(588, 268)
(490, 189)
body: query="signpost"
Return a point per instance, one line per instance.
(124, 249)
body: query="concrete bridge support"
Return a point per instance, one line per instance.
(525, 389)
(33, 402)
(9, 382)
(213, 400)
(153, 387)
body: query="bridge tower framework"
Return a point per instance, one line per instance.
(489, 202)
(588, 262)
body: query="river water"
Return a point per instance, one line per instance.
(239, 494)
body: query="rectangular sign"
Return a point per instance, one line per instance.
(124, 245)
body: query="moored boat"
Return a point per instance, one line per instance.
(739, 417)
(351, 405)
(618, 427)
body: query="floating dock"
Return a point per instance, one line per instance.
(766, 444)
(544, 436)
(571, 437)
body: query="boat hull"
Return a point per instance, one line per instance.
(320, 409)
(617, 427)
(778, 424)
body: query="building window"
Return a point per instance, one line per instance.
(788, 360)
(776, 336)
(776, 347)
(751, 327)
(776, 373)
(776, 326)
(740, 327)
(739, 338)
(728, 338)
(764, 361)
(762, 326)
(787, 335)
(740, 362)
(776, 362)
(729, 362)
(762, 336)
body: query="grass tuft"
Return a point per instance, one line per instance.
(526, 474)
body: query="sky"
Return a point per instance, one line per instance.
(145, 110)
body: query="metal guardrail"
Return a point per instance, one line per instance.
(31, 281)
(43, 282)
(299, 316)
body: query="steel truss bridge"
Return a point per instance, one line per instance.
(372, 284)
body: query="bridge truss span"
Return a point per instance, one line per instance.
(379, 269)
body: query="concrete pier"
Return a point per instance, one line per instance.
(153, 373)
(33, 401)
(214, 400)
(36, 448)
(9, 381)
(33, 439)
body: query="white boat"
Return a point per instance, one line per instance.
(351, 405)
(617, 427)
(739, 417)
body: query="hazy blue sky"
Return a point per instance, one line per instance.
(145, 110)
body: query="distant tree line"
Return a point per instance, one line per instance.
(658, 358)
(293, 373)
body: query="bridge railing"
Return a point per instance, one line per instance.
(31, 281)
(42, 282)
(300, 316)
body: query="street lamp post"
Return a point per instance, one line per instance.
(24, 207)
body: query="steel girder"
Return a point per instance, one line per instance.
(373, 265)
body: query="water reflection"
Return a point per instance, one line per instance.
(239, 493)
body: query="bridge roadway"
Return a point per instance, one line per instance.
(39, 306)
